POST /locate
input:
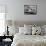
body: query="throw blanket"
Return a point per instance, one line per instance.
(29, 40)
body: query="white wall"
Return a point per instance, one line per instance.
(15, 10)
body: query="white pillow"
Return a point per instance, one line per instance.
(21, 30)
(44, 27)
(36, 30)
(24, 30)
(28, 31)
(28, 26)
(42, 30)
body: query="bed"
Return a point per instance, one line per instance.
(24, 39)
(29, 40)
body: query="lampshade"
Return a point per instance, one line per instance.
(9, 22)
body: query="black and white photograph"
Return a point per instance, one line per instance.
(30, 9)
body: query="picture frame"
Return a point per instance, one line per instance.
(30, 9)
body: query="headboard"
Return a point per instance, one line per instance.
(21, 23)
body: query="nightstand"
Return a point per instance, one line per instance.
(4, 40)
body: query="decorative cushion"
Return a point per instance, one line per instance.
(36, 30)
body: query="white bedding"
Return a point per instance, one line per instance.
(29, 40)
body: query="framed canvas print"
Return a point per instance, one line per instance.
(30, 9)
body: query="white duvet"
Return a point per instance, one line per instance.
(29, 40)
